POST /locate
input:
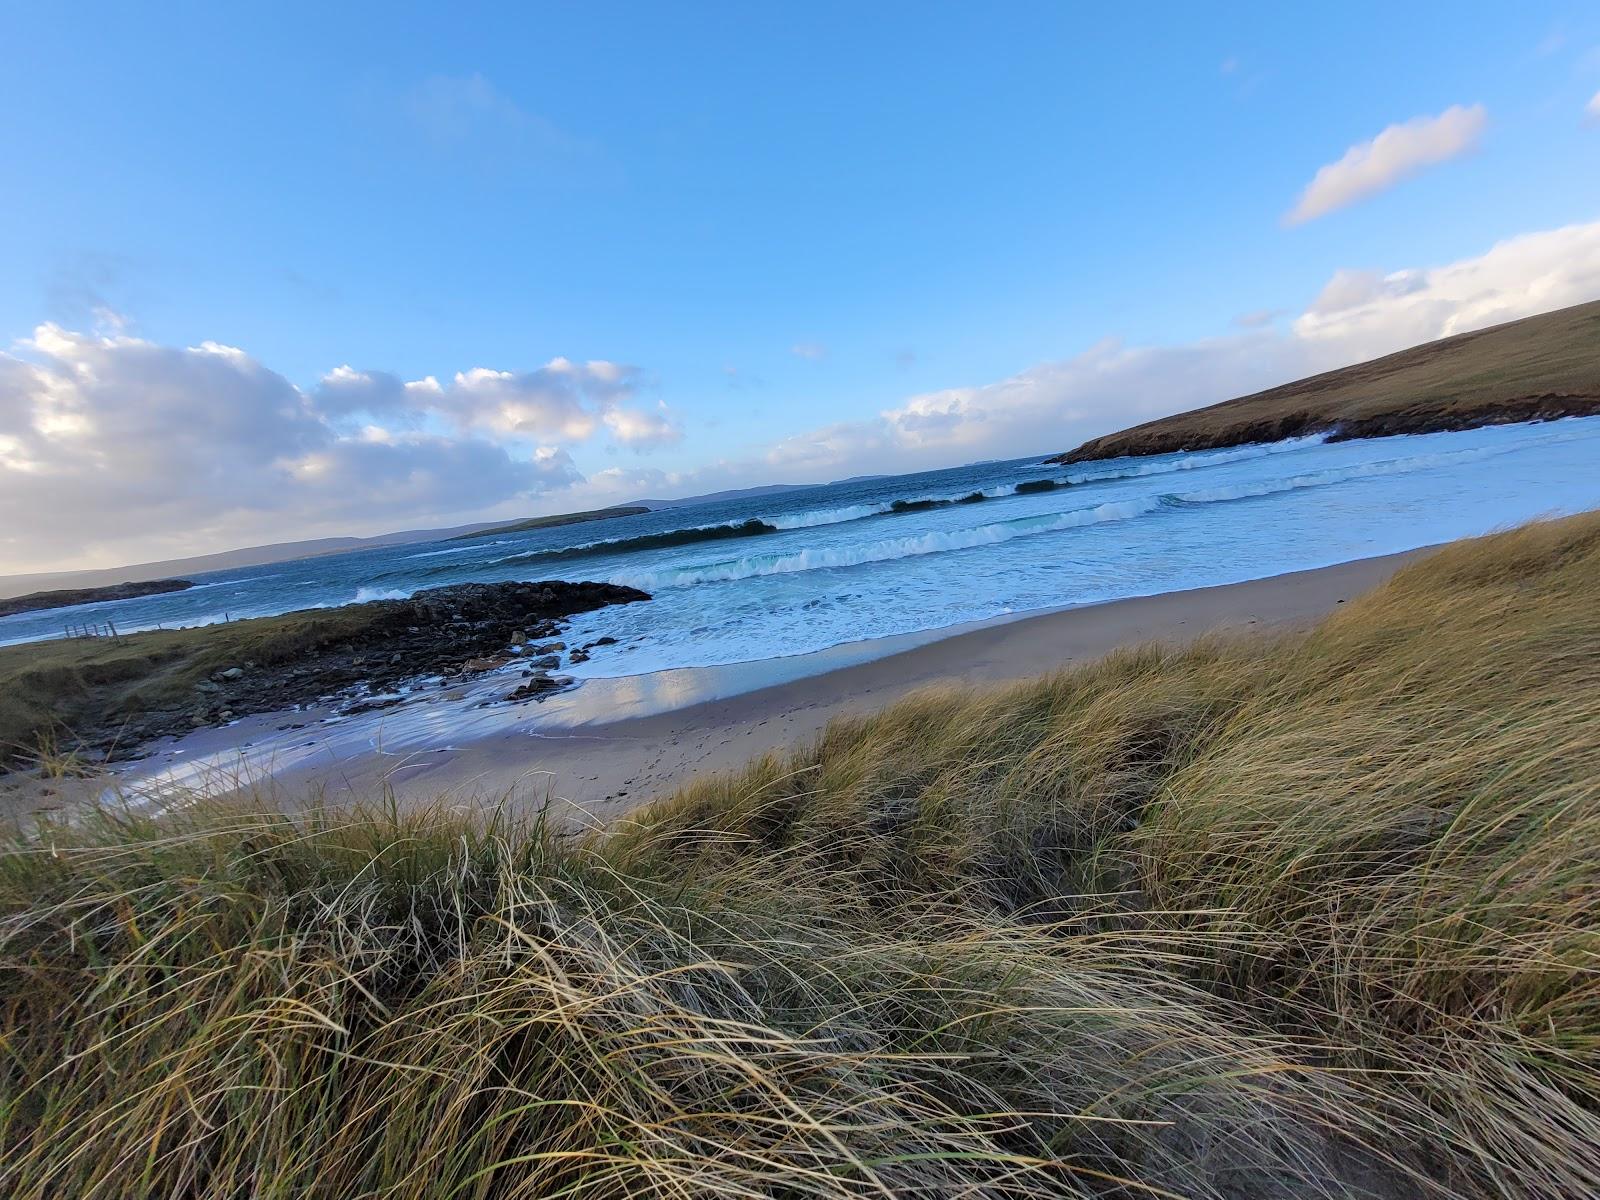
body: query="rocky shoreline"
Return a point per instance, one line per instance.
(439, 633)
(115, 699)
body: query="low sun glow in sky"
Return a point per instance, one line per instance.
(310, 270)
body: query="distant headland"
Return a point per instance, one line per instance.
(1539, 368)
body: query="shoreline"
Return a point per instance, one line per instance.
(591, 772)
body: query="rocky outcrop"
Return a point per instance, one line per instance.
(464, 629)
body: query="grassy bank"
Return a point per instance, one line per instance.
(1533, 369)
(54, 694)
(1304, 917)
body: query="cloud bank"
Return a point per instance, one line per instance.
(115, 449)
(1397, 153)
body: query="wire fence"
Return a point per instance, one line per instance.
(90, 629)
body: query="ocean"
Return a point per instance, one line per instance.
(838, 564)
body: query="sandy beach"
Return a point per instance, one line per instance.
(594, 772)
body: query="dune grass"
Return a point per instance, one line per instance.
(1288, 917)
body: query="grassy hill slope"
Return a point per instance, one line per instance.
(1537, 368)
(1310, 916)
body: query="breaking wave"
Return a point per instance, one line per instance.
(942, 541)
(646, 541)
(367, 594)
(858, 512)
(937, 542)
(826, 516)
(455, 550)
(1194, 460)
(1387, 466)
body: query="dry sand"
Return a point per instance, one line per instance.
(595, 772)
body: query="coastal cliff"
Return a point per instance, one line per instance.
(1535, 369)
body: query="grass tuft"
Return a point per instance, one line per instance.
(1304, 916)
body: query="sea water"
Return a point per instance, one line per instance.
(843, 567)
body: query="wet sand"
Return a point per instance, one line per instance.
(593, 772)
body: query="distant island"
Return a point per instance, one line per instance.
(1538, 368)
(594, 514)
(67, 598)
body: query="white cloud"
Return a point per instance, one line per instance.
(811, 350)
(561, 400)
(641, 427)
(1363, 314)
(1397, 153)
(119, 449)
(1592, 109)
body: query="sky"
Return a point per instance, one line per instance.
(292, 271)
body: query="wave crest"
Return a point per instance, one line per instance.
(1196, 459)
(936, 542)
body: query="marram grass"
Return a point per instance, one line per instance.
(1295, 917)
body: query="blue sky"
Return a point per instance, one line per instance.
(780, 219)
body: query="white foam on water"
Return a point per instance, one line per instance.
(1194, 460)
(827, 516)
(934, 542)
(1388, 466)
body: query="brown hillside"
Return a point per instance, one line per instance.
(1533, 369)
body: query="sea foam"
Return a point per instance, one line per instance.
(934, 542)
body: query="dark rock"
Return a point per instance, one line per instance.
(536, 688)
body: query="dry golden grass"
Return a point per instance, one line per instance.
(1311, 916)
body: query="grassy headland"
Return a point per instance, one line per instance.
(70, 597)
(1534, 369)
(577, 518)
(1291, 917)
